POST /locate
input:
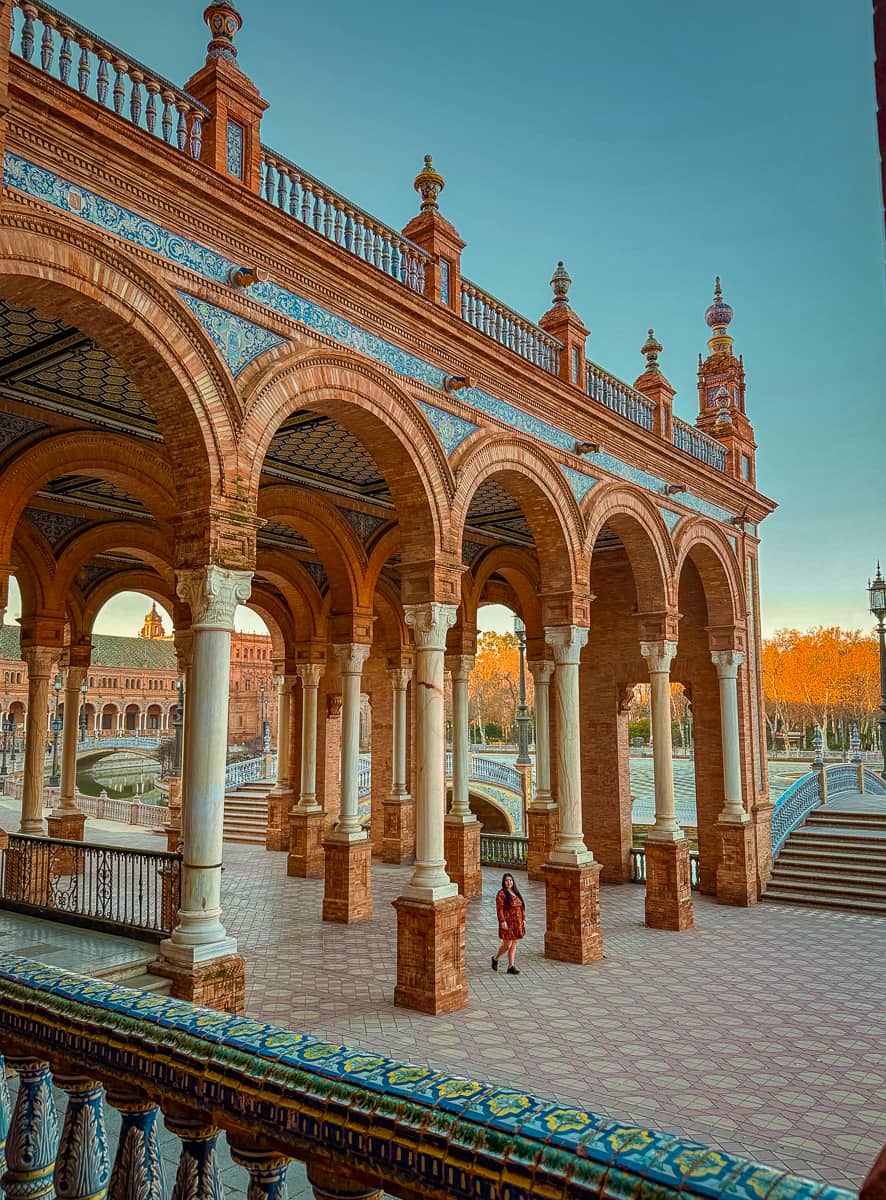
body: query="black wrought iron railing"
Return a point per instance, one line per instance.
(111, 888)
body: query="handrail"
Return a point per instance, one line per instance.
(638, 867)
(484, 312)
(796, 802)
(504, 850)
(361, 1121)
(319, 207)
(250, 770)
(179, 124)
(699, 444)
(620, 397)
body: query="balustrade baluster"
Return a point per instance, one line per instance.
(282, 183)
(27, 44)
(317, 214)
(83, 1165)
(135, 96)
(333, 1183)
(294, 193)
(385, 254)
(104, 74)
(5, 1114)
(84, 67)
(199, 1174)
(47, 43)
(138, 1165)
(33, 1134)
(65, 57)
(181, 132)
(267, 1171)
(338, 224)
(153, 89)
(350, 226)
(166, 120)
(307, 203)
(196, 143)
(120, 68)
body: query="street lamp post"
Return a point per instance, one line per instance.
(522, 720)
(877, 595)
(84, 688)
(5, 738)
(265, 723)
(177, 726)
(56, 730)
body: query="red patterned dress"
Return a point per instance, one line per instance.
(511, 917)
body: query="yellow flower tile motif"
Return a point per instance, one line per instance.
(508, 1104)
(408, 1075)
(363, 1062)
(566, 1120)
(452, 1088)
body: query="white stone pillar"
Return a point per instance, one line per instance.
(213, 594)
(430, 623)
(399, 677)
(70, 732)
(351, 657)
(727, 663)
(310, 675)
(39, 660)
(541, 671)
(659, 656)
(459, 667)
(285, 684)
(567, 642)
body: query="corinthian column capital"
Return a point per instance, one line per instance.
(400, 677)
(310, 674)
(541, 670)
(567, 643)
(351, 656)
(659, 656)
(430, 623)
(727, 662)
(212, 593)
(459, 666)
(39, 660)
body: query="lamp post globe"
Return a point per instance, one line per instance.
(84, 688)
(877, 601)
(5, 737)
(56, 730)
(522, 718)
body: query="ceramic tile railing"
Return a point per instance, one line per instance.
(291, 189)
(700, 445)
(509, 329)
(49, 40)
(363, 1123)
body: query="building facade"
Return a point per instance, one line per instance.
(231, 384)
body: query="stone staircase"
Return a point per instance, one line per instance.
(837, 859)
(246, 813)
(133, 973)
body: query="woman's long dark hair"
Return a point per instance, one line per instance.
(509, 897)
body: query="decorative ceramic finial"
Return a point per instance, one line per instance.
(429, 184)
(719, 314)
(652, 348)
(561, 282)
(224, 24)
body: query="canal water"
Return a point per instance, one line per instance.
(123, 776)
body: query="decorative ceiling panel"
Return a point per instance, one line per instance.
(12, 428)
(314, 449)
(275, 533)
(54, 526)
(94, 493)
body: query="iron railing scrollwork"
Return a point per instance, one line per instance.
(111, 888)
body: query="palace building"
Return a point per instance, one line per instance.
(266, 396)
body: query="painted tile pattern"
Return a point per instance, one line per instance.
(513, 1136)
(234, 150)
(239, 341)
(62, 194)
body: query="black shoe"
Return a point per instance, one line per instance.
(494, 963)
(513, 971)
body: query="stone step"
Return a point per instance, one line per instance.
(120, 972)
(847, 820)
(245, 837)
(817, 878)
(831, 865)
(837, 839)
(779, 895)
(148, 983)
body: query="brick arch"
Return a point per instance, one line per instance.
(331, 536)
(391, 632)
(139, 539)
(377, 411)
(521, 572)
(79, 276)
(704, 543)
(303, 598)
(34, 565)
(641, 528)
(278, 618)
(139, 469)
(540, 490)
(136, 580)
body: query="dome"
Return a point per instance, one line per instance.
(720, 313)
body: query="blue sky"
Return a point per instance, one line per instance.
(651, 146)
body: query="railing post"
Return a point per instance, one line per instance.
(199, 1174)
(138, 1166)
(33, 1134)
(83, 1166)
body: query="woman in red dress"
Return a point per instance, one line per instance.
(511, 922)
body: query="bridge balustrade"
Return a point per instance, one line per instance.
(49, 40)
(796, 803)
(364, 1124)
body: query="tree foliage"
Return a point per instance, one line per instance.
(494, 687)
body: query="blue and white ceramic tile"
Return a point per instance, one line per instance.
(234, 150)
(238, 340)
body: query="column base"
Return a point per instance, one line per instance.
(737, 869)
(572, 902)
(306, 831)
(461, 848)
(398, 844)
(543, 825)
(277, 836)
(69, 827)
(431, 955)
(216, 983)
(174, 817)
(347, 892)
(173, 839)
(668, 887)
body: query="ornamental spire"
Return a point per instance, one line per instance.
(561, 282)
(718, 317)
(429, 184)
(652, 348)
(224, 24)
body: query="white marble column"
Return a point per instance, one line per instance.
(430, 623)
(727, 663)
(285, 684)
(459, 667)
(70, 732)
(567, 642)
(541, 671)
(212, 594)
(39, 660)
(351, 656)
(399, 677)
(310, 675)
(659, 656)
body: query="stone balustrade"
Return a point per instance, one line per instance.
(509, 329)
(619, 397)
(699, 444)
(51, 41)
(364, 1124)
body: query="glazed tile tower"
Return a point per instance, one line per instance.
(263, 394)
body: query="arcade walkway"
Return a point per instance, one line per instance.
(761, 1031)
